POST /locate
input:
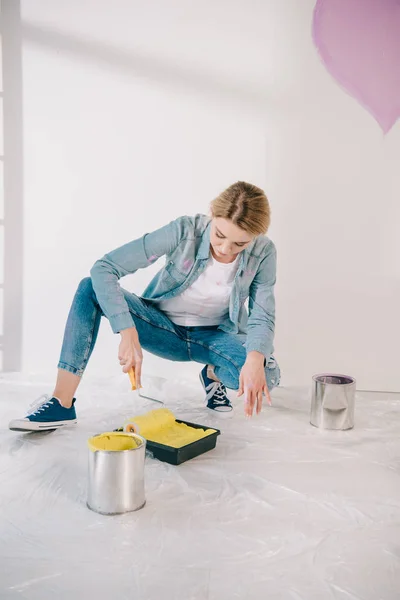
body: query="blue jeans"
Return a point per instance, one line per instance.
(158, 335)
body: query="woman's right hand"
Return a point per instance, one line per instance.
(130, 353)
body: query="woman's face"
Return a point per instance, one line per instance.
(227, 240)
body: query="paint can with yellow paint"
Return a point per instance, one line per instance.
(116, 473)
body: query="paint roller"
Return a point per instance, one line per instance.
(132, 378)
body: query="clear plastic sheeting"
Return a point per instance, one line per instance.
(279, 510)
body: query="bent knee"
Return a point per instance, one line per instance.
(85, 286)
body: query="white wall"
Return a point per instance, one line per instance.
(137, 112)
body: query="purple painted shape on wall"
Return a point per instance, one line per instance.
(359, 43)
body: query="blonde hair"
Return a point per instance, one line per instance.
(245, 205)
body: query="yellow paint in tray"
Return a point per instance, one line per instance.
(160, 426)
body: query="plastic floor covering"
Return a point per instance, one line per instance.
(279, 510)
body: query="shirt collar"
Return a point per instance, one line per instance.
(204, 248)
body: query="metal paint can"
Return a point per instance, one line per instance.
(116, 477)
(332, 401)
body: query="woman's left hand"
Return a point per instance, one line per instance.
(252, 383)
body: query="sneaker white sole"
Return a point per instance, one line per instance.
(224, 414)
(27, 425)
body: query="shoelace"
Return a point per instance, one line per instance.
(41, 403)
(217, 391)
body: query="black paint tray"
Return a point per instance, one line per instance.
(176, 456)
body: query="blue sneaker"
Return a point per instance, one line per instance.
(216, 397)
(45, 413)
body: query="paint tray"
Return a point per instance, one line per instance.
(177, 456)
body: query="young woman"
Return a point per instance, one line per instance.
(193, 309)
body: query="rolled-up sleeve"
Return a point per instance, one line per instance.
(261, 323)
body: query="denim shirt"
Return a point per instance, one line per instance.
(186, 244)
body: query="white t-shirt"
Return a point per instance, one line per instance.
(206, 301)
